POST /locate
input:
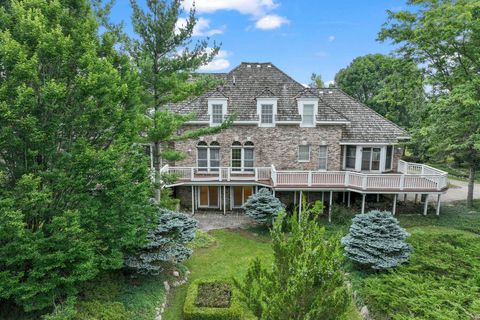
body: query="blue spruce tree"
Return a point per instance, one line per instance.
(263, 206)
(377, 241)
(166, 243)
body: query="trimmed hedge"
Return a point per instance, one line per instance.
(192, 312)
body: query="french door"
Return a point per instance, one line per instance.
(208, 197)
(240, 194)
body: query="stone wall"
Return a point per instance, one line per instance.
(277, 146)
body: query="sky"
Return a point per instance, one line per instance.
(298, 36)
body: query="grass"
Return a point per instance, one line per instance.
(228, 257)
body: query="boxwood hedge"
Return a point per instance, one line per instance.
(193, 312)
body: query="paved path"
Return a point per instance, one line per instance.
(458, 191)
(210, 221)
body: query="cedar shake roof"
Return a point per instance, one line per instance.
(252, 80)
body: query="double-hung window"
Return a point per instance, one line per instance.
(304, 153)
(217, 113)
(350, 157)
(388, 158)
(323, 157)
(243, 156)
(266, 116)
(208, 157)
(308, 117)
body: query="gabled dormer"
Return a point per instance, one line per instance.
(266, 108)
(217, 107)
(307, 104)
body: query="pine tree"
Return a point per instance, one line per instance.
(168, 76)
(376, 241)
(263, 206)
(166, 243)
(305, 280)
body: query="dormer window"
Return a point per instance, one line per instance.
(267, 111)
(308, 110)
(217, 110)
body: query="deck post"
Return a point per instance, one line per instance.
(348, 203)
(416, 198)
(425, 207)
(404, 197)
(363, 202)
(224, 200)
(343, 197)
(378, 197)
(330, 207)
(300, 204)
(323, 196)
(193, 200)
(438, 204)
(394, 204)
(294, 198)
(273, 190)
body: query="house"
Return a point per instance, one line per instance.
(295, 141)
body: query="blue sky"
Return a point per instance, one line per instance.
(300, 37)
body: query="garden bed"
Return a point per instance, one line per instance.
(212, 300)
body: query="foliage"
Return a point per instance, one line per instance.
(444, 264)
(444, 37)
(166, 75)
(263, 206)
(202, 240)
(316, 81)
(167, 200)
(305, 280)
(192, 311)
(102, 310)
(393, 87)
(74, 190)
(376, 240)
(167, 243)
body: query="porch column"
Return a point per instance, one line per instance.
(294, 198)
(273, 190)
(348, 203)
(363, 202)
(193, 200)
(378, 197)
(438, 204)
(416, 198)
(343, 197)
(330, 207)
(404, 197)
(425, 207)
(394, 204)
(300, 204)
(224, 200)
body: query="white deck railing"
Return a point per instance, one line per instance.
(410, 176)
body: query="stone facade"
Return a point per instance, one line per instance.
(277, 145)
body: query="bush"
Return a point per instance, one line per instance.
(305, 280)
(376, 241)
(263, 206)
(192, 311)
(167, 243)
(202, 240)
(101, 310)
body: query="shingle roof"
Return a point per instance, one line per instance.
(249, 81)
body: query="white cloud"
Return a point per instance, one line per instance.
(331, 38)
(330, 82)
(219, 63)
(255, 8)
(202, 27)
(271, 21)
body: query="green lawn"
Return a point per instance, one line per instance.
(228, 257)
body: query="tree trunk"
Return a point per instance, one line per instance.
(471, 184)
(157, 167)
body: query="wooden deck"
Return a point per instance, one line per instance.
(412, 177)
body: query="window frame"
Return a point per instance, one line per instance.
(309, 151)
(301, 103)
(312, 115)
(323, 158)
(347, 147)
(236, 145)
(214, 145)
(211, 103)
(217, 112)
(389, 164)
(266, 101)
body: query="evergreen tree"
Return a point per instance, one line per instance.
(166, 60)
(305, 280)
(166, 243)
(74, 192)
(377, 241)
(263, 206)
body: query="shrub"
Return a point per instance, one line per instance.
(167, 243)
(202, 240)
(376, 241)
(101, 310)
(305, 280)
(193, 311)
(263, 206)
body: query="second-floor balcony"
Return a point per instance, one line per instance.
(411, 177)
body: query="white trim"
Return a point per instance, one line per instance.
(367, 144)
(211, 102)
(301, 102)
(332, 122)
(264, 101)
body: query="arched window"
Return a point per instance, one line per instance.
(243, 156)
(208, 157)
